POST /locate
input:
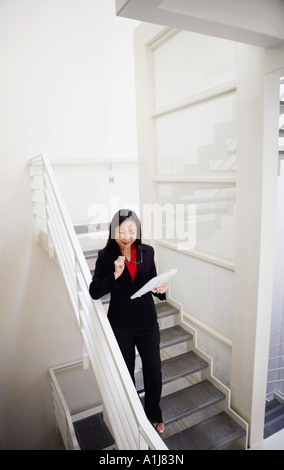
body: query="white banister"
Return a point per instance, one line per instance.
(129, 424)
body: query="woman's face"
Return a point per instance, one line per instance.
(126, 234)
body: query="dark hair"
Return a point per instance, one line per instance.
(121, 216)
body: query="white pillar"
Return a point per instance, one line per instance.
(258, 120)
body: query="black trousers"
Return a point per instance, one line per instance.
(147, 341)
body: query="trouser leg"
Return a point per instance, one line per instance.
(126, 344)
(148, 345)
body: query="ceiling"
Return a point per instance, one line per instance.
(255, 22)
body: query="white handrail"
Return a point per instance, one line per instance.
(129, 424)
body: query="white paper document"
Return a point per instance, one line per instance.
(156, 281)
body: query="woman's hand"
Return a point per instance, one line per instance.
(161, 289)
(119, 266)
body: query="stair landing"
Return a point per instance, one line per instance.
(92, 433)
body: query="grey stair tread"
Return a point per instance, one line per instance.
(173, 335)
(91, 254)
(175, 368)
(274, 417)
(281, 132)
(274, 424)
(79, 229)
(214, 433)
(273, 408)
(274, 414)
(92, 433)
(189, 400)
(105, 299)
(272, 404)
(164, 309)
(88, 228)
(182, 365)
(273, 427)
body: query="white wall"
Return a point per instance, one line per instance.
(66, 90)
(90, 196)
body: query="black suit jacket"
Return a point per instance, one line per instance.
(124, 312)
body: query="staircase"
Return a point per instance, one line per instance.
(194, 403)
(194, 409)
(213, 429)
(274, 417)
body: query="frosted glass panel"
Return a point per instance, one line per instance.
(281, 121)
(215, 214)
(191, 64)
(203, 289)
(199, 139)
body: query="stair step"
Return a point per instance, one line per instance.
(92, 433)
(80, 229)
(281, 107)
(175, 368)
(90, 228)
(164, 309)
(275, 414)
(274, 417)
(105, 299)
(182, 365)
(272, 407)
(273, 425)
(91, 254)
(189, 400)
(281, 132)
(173, 335)
(269, 405)
(214, 433)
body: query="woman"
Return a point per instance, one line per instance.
(122, 267)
